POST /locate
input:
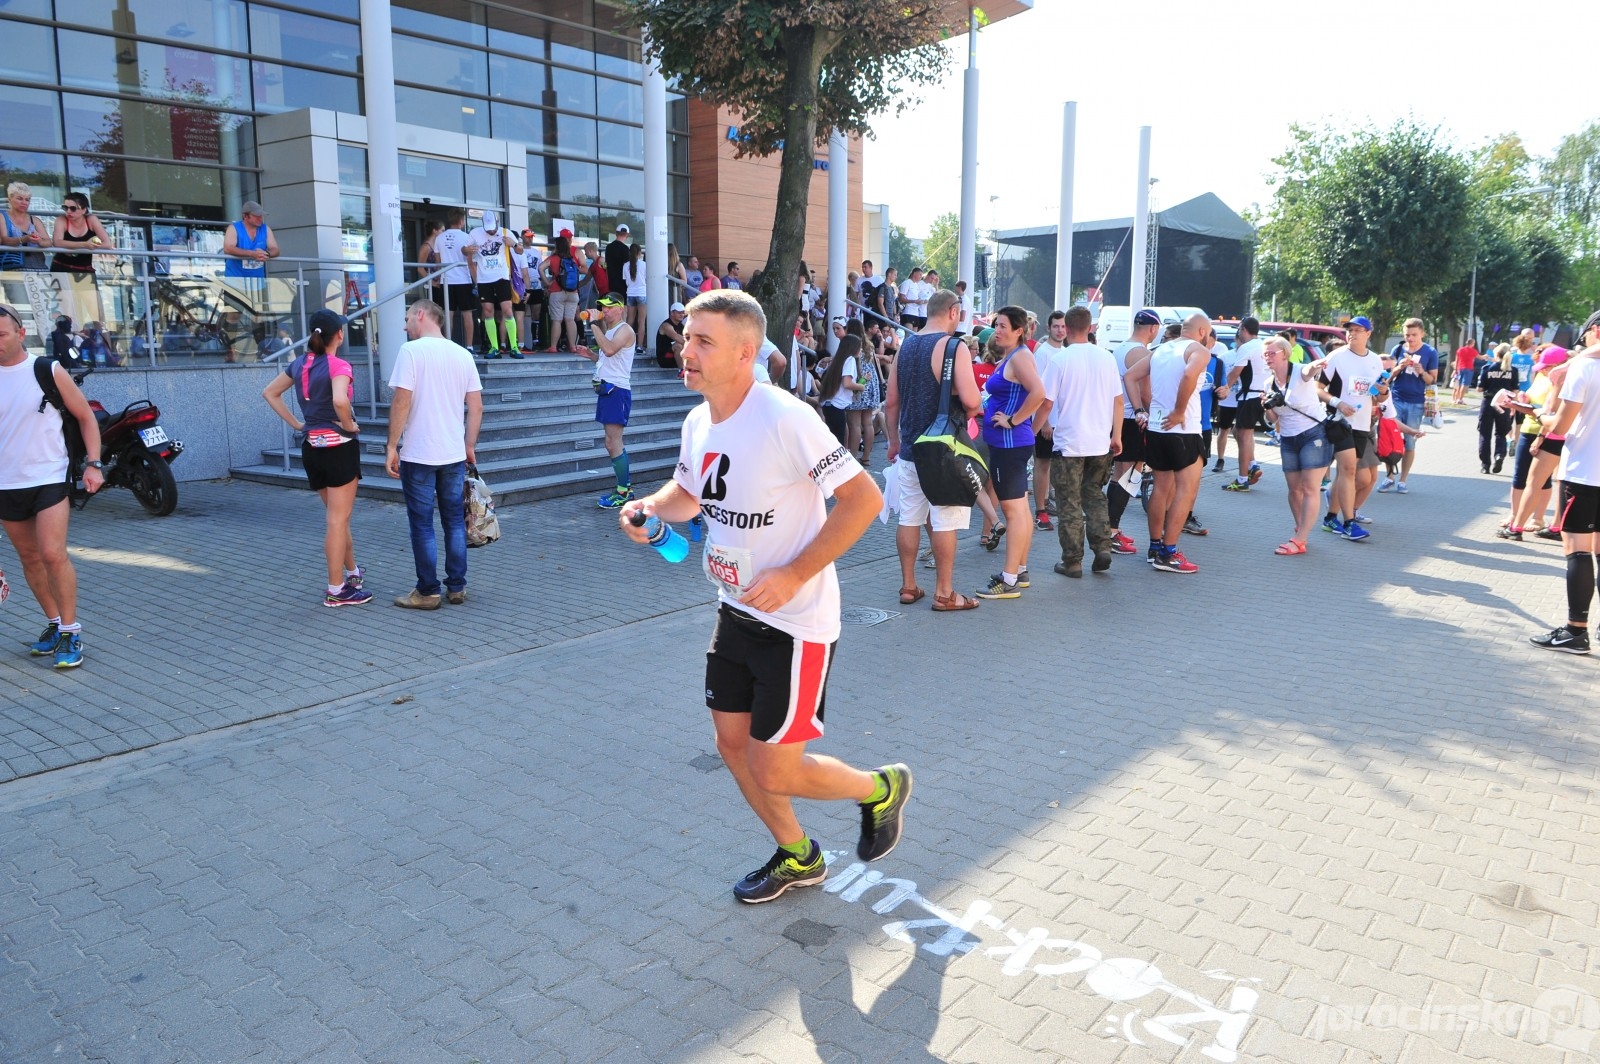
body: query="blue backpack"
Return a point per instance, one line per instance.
(566, 276)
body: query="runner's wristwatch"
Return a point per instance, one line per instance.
(94, 465)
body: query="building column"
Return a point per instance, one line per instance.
(966, 263)
(838, 228)
(1069, 147)
(1141, 224)
(383, 169)
(659, 294)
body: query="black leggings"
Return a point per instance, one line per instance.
(1116, 502)
(838, 421)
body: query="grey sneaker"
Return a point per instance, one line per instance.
(416, 600)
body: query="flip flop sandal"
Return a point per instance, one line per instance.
(1294, 546)
(954, 604)
(910, 595)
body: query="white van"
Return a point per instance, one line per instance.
(1116, 323)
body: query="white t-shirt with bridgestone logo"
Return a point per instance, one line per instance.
(490, 249)
(763, 476)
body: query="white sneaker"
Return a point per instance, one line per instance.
(1361, 518)
(1387, 484)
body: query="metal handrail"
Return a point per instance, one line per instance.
(372, 369)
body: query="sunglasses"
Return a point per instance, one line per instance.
(8, 312)
(71, 209)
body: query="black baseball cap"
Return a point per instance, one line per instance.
(326, 322)
(1594, 319)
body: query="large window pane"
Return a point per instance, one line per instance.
(47, 175)
(441, 180)
(34, 8)
(678, 194)
(485, 186)
(200, 23)
(523, 125)
(621, 100)
(162, 71)
(160, 190)
(458, 114)
(445, 66)
(677, 150)
(456, 20)
(352, 168)
(621, 144)
(574, 89)
(575, 136)
(286, 88)
(342, 8)
(539, 217)
(533, 37)
(517, 79)
(30, 51)
(620, 186)
(585, 219)
(29, 116)
(567, 179)
(355, 212)
(129, 127)
(303, 39)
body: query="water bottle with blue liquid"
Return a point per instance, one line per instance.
(662, 536)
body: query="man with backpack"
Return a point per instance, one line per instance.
(37, 458)
(563, 275)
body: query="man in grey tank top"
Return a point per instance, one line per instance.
(916, 394)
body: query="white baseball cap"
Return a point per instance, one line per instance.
(490, 222)
(676, 308)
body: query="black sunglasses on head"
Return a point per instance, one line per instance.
(8, 312)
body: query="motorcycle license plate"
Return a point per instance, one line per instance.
(153, 436)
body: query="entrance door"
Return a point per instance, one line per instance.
(415, 217)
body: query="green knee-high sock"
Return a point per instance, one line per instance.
(511, 333)
(620, 465)
(490, 331)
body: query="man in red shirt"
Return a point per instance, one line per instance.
(1466, 366)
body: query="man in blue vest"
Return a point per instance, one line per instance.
(249, 243)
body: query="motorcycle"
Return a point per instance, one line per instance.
(136, 452)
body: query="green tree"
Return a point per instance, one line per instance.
(1288, 269)
(1575, 174)
(1390, 219)
(795, 72)
(940, 249)
(902, 251)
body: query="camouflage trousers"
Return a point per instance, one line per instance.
(1080, 487)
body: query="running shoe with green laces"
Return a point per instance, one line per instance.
(69, 650)
(881, 821)
(47, 641)
(616, 500)
(782, 871)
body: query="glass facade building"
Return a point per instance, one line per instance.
(150, 107)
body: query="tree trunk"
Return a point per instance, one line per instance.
(779, 288)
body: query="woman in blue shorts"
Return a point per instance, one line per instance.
(1010, 396)
(1296, 404)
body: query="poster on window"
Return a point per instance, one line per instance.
(51, 295)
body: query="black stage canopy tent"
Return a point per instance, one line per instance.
(1203, 259)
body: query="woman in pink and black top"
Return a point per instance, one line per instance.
(331, 452)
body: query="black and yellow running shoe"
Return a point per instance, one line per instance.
(782, 871)
(880, 821)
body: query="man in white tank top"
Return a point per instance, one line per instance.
(1131, 352)
(34, 490)
(1165, 388)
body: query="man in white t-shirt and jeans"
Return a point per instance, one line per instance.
(1083, 398)
(758, 466)
(1579, 473)
(433, 436)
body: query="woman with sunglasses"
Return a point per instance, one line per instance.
(80, 235)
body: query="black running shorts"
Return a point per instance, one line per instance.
(495, 291)
(21, 504)
(781, 681)
(331, 467)
(1580, 508)
(1171, 452)
(1344, 438)
(1132, 441)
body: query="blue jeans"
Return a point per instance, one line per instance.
(423, 484)
(1410, 414)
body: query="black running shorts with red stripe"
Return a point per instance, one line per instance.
(781, 681)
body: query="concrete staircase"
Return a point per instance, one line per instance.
(539, 438)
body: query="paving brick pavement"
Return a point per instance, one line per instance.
(1329, 808)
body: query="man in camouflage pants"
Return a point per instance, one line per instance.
(1083, 406)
